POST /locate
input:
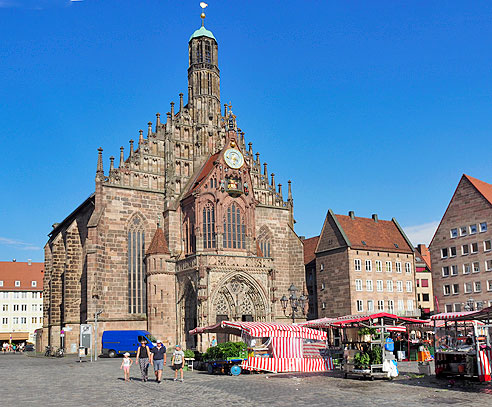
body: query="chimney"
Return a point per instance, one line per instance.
(375, 217)
(29, 262)
(352, 214)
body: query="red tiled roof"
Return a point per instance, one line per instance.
(207, 167)
(380, 235)
(158, 244)
(309, 248)
(10, 272)
(482, 187)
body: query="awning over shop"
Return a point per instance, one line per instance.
(388, 319)
(15, 336)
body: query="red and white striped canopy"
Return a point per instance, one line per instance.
(351, 319)
(399, 328)
(262, 330)
(451, 315)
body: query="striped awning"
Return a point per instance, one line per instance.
(352, 319)
(399, 328)
(262, 330)
(451, 315)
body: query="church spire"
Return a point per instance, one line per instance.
(100, 170)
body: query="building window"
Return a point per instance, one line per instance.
(489, 285)
(15, 320)
(425, 297)
(398, 266)
(34, 283)
(466, 268)
(24, 307)
(321, 267)
(380, 305)
(234, 228)
(357, 265)
(24, 294)
(209, 228)
(34, 320)
(5, 307)
(408, 268)
(322, 286)
(444, 253)
(399, 286)
(468, 288)
(16, 295)
(379, 265)
(389, 268)
(449, 307)
(478, 286)
(1, 283)
(447, 289)
(389, 285)
(463, 231)
(456, 289)
(474, 247)
(17, 283)
(323, 305)
(16, 307)
(476, 267)
(391, 306)
(23, 320)
(401, 306)
(265, 248)
(370, 305)
(208, 52)
(136, 267)
(358, 285)
(5, 321)
(360, 306)
(369, 285)
(488, 265)
(465, 249)
(379, 286)
(452, 251)
(454, 233)
(454, 270)
(487, 245)
(34, 307)
(409, 287)
(473, 229)
(424, 282)
(445, 271)
(483, 227)
(410, 305)
(368, 265)
(4, 294)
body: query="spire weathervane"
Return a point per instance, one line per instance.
(203, 5)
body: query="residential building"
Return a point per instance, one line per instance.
(423, 280)
(310, 266)
(461, 249)
(364, 265)
(188, 230)
(21, 302)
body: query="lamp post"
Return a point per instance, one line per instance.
(96, 314)
(296, 304)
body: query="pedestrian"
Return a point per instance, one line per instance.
(125, 365)
(143, 355)
(178, 362)
(214, 341)
(158, 359)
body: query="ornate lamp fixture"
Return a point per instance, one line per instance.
(297, 305)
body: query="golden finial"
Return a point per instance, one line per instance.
(203, 5)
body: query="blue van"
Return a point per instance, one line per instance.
(118, 342)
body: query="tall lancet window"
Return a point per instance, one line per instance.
(234, 228)
(209, 226)
(199, 52)
(208, 52)
(137, 295)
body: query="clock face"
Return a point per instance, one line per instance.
(234, 158)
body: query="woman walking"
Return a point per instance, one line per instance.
(143, 354)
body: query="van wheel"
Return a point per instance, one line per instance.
(112, 353)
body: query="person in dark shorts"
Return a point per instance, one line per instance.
(158, 359)
(143, 355)
(178, 362)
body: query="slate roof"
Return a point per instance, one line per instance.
(382, 235)
(11, 271)
(159, 243)
(309, 249)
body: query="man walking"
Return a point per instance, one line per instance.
(178, 362)
(158, 359)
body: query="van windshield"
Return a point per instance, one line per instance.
(151, 338)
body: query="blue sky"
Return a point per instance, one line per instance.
(376, 107)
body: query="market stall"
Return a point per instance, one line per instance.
(365, 341)
(463, 343)
(275, 347)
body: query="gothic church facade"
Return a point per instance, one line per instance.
(187, 230)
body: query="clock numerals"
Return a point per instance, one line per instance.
(234, 158)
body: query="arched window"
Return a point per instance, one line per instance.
(209, 227)
(234, 228)
(265, 241)
(208, 52)
(137, 296)
(199, 53)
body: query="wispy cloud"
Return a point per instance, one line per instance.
(18, 244)
(421, 233)
(36, 4)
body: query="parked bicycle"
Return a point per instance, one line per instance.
(55, 352)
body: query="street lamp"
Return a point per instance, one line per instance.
(296, 304)
(96, 315)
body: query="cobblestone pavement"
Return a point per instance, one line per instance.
(40, 381)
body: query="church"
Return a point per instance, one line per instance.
(186, 229)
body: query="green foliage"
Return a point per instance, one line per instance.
(367, 331)
(376, 355)
(224, 350)
(362, 360)
(189, 353)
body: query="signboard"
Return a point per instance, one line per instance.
(86, 335)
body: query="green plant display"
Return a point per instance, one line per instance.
(362, 360)
(224, 350)
(367, 331)
(189, 353)
(376, 355)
